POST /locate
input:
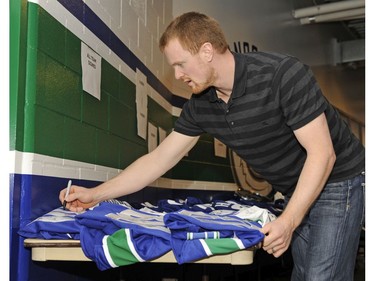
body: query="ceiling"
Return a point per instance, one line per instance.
(347, 15)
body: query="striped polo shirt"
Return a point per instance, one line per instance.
(273, 94)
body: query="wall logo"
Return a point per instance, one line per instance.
(244, 47)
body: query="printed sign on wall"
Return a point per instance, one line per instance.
(91, 71)
(220, 149)
(152, 137)
(141, 103)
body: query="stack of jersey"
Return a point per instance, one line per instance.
(57, 224)
(173, 205)
(195, 204)
(197, 235)
(216, 207)
(113, 235)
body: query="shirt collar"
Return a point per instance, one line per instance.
(239, 79)
(240, 75)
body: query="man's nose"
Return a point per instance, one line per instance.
(178, 74)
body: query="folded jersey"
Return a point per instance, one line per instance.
(115, 235)
(196, 235)
(57, 224)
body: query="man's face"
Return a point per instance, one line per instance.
(194, 70)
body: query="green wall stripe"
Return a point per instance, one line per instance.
(61, 120)
(16, 71)
(31, 71)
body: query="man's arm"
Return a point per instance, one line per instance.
(139, 174)
(315, 138)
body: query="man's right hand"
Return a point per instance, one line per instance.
(78, 199)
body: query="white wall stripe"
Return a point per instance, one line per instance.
(27, 163)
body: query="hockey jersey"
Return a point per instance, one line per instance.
(57, 224)
(197, 235)
(173, 205)
(115, 235)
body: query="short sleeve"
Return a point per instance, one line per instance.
(186, 124)
(300, 96)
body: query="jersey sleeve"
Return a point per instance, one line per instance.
(300, 96)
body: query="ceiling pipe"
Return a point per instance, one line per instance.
(328, 8)
(337, 16)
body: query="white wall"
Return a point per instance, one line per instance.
(270, 26)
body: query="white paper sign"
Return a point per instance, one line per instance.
(152, 137)
(91, 71)
(141, 103)
(220, 149)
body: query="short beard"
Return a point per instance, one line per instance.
(199, 88)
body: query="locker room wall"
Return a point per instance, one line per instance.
(59, 132)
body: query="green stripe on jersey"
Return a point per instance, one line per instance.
(221, 246)
(120, 250)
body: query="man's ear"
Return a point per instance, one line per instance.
(207, 51)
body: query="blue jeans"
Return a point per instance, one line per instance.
(324, 246)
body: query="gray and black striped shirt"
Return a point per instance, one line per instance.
(273, 95)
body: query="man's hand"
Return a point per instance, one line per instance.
(278, 235)
(78, 199)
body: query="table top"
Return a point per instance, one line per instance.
(70, 250)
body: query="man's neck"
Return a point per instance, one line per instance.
(225, 67)
(224, 96)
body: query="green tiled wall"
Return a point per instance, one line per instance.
(63, 121)
(17, 57)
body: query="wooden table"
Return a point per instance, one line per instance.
(70, 250)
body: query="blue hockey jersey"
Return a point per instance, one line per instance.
(57, 224)
(115, 235)
(196, 235)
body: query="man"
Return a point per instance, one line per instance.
(268, 108)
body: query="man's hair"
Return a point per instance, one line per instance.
(192, 30)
